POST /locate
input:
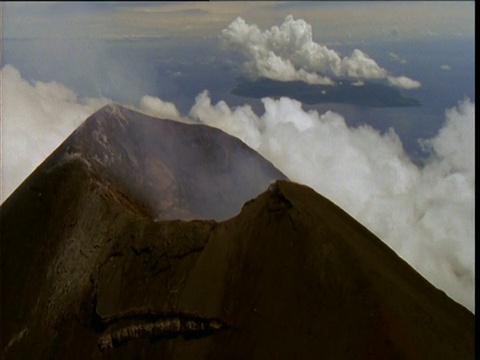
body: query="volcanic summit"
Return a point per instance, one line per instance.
(148, 238)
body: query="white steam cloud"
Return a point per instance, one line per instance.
(288, 53)
(154, 106)
(36, 118)
(425, 214)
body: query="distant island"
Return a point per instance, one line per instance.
(363, 93)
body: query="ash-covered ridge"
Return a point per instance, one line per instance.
(173, 170)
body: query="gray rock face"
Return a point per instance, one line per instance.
(95, 267)
(175, 170)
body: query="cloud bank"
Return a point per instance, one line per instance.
(288, 52)
(36, 118)
(403, 82)
(155, 106)
(425, 214)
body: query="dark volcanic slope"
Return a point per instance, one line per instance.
(86, 275)
(175, 170)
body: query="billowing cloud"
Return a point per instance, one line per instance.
(288, 52)
(425, 214)
(403, 82)
(286, 48)
(157, 107)
(36, 118)
(360, 65)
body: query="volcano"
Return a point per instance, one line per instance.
(170, 169)
(148, 238)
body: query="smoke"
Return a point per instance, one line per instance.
(288, 53)
(425, 214)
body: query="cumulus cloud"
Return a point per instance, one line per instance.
(425, 214)
(403, 82)
(360, 65)
(445, 67)
(36, 118)
(273, 51)
(288, 52)
(154, 106)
